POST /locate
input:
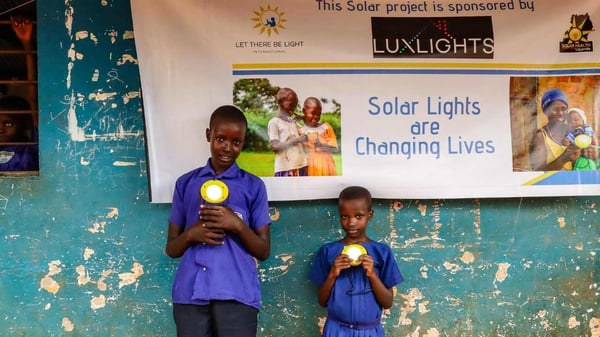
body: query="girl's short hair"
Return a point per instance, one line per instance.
(283, 93)
(356, 192)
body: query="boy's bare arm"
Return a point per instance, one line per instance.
(176, 242)
(257, 243)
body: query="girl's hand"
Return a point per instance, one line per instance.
(297, 117)
(340, 263)
(301, 139)
(367, 264)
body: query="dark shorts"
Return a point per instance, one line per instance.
(217, 319)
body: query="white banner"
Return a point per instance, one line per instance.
(428, 99)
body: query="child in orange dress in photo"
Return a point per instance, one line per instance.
(321, 142)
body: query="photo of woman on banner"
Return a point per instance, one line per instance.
(286, 140)
(547, 150)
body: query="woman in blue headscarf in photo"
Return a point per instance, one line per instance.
(547, 151)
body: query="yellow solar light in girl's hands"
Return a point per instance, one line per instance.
(354, 251)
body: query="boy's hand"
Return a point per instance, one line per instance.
(200, 233)
(23, 28)
(218, 217)
(588, 152)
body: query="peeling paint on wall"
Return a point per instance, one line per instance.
(410, 306)
(67, 325)
(595, 327)
(87, 253)
(502, 272)
(126, 58)
(131, 278)
(47, 282)
(98, 302)
(83, 277)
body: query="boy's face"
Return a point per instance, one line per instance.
(354, 217)
(312, 114)
(8, 128)
(226, 140)
(575, 120)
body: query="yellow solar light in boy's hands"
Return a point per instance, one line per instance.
(354, 251)
(214, 191)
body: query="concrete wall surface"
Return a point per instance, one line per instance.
(82, 247)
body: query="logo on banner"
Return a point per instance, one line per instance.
(576, 38)
(269, 20)
(438, 37)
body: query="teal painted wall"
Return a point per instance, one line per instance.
(82, 248)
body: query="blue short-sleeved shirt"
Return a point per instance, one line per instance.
(19, 158)
(229, 271)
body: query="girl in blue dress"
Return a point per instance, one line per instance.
(355, 289)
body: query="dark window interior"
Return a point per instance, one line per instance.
(19, 151)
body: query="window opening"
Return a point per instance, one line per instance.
(19, 150)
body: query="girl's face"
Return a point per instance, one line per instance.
(289, 103)
(575, 120)
(556, 112)
(8, 128)
(312, 114)
(354, 218)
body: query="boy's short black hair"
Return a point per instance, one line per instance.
(228, 113)
(356, 192)
(314, 100)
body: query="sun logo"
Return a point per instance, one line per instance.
(581, 26)
(269, 20)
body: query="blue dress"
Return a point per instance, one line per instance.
(352, 310)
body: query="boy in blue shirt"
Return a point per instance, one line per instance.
(219, 235)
